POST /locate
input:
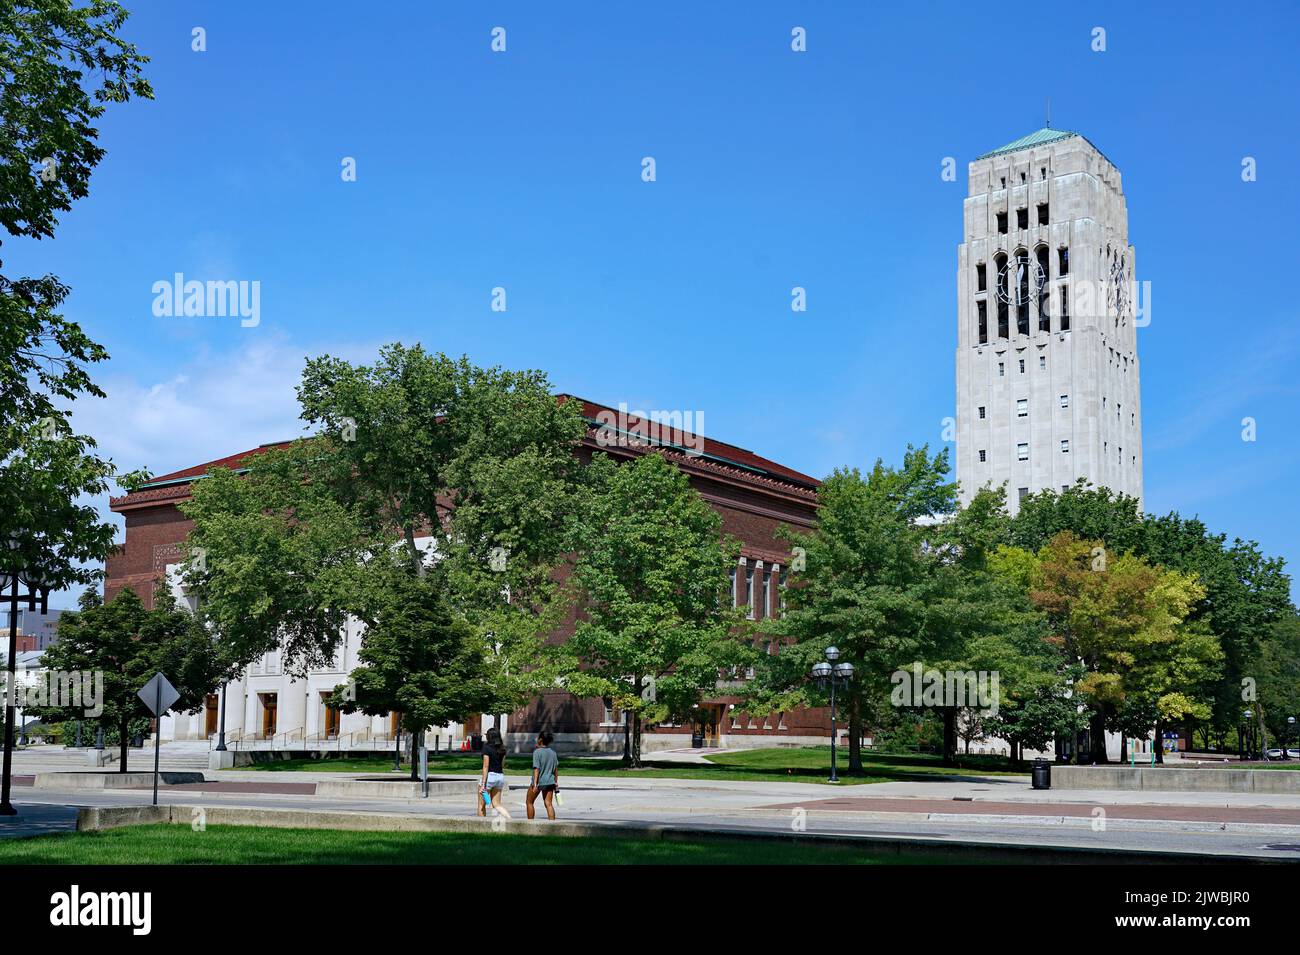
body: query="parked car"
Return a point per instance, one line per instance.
(1276, 753)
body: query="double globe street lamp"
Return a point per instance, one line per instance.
(14, 573)
(831, 674)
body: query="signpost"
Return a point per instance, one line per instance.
(158, 696)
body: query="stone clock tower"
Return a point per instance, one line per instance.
(1047, 365)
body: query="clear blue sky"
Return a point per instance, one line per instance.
(775, 169)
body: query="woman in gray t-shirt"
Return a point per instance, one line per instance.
(546, 775)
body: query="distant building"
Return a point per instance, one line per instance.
(36, 631)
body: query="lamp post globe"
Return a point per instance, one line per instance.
(821, 670)
(832, 653)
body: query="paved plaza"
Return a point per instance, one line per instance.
(996, 809)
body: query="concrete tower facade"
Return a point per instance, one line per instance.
(1047, 366)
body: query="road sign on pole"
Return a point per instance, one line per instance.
(158, 695)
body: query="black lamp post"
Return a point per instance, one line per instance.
(221, 730)
(1250, 735)
(832, 674)
(13, 573)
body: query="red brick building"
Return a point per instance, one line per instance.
(753, 495)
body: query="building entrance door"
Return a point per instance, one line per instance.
(210, 715)
(711, 719)
(331, 721)
(268, 714)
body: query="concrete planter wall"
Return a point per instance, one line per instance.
(1208, 779)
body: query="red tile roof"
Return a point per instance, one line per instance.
(719, 451)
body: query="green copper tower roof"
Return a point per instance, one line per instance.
(1040, 138)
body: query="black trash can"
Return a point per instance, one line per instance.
(476, 742)
(697, 741)
(1042, 775)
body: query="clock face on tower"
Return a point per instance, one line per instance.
(1020, 280)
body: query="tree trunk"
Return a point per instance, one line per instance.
(1123, 748)
(413, 744)
(635, 761)
(1097, 729)
(1160, 744)
(627, 738)
(417, 558)
(949, 736)
(855, 733)
(124, 741)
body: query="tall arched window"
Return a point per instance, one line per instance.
(1022, 292)
(1044, 314)
(1003, 294)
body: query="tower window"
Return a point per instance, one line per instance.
(1002, 221)
(1044, 318)
(1042, 213)
(1022, 452)
(1002, 369)
(1065, 446)
(1022, 407)
(1042, 172)
(1021, 494)
(984, 455)
(982, 310)
(981, 412)
(1022, 177)
(982, 277)
(1022, 215)
(1063, 261)
(1065, 308)
(1022, 366)
(1065, 401)
(1004, 182)
(1042, 362)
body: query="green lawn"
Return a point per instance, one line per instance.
(801, 764)
(224, 845)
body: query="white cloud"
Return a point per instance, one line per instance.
(215, 404)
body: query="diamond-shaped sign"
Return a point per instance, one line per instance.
(159, 695)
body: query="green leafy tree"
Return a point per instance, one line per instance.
(479, 460)
(872, 569)
(1089, 513)
(1245, 595)
(128, 644)
(1119, 618)
(420, 658)
(652, 569)
(63, 63)
(277, 562)
(1277, 681)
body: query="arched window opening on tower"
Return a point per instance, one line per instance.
(1044, 314)
(1022, 293)
(1000, 267)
